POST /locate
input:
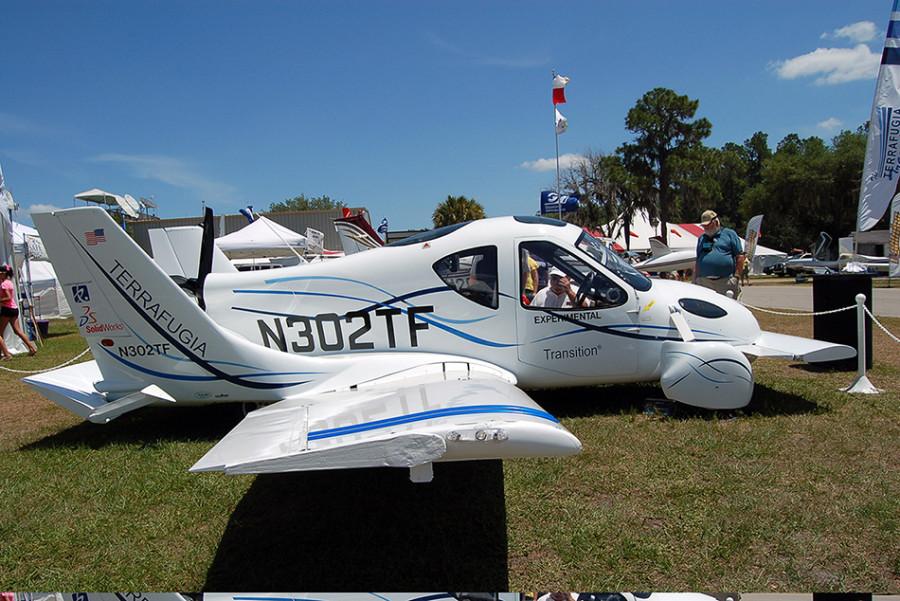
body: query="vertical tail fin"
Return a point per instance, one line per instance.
(658, 248)
(356, 234)
(143, 329)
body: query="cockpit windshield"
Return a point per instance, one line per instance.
(609, 259)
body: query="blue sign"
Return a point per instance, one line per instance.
(248, 213)
(383, 228)
(551, 203)
(81, 294)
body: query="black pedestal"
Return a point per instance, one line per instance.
(833, 291)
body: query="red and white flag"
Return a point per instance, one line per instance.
(559, 89)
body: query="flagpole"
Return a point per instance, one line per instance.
(559, 204)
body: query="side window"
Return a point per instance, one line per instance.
(472, 273)
(563, 280)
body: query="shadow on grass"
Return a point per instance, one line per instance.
(147, 426)
(826, 368)
(590, 401)
(769, 402)
(630, 399)
(368, 529)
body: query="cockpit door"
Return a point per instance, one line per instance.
(576, 322)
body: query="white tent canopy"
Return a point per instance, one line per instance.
(642, 231)
(262, 238)
(683, 236)
(49, 299)
(47, 293)
(680, 236)
(128, 205)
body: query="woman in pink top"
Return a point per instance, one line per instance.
(9, 312)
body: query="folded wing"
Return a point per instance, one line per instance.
(399, 426)
(770, 344)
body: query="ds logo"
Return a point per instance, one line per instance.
(81, 294)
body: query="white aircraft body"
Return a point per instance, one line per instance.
(870, 263)
(665, 259)
(398, 356)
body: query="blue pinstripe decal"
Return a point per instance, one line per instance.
(160, 374)
(579, 330)
(421, 316)
(272, 599)
(373, 303)
(432, 414)
(199, 361)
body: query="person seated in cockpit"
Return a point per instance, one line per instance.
(481, 285)
(558, 293)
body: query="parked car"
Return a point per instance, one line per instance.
(775, 269)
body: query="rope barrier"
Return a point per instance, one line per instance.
(879, 324)
(40, 371)
(798, 313)
(807, 313)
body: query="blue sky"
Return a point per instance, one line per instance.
(395, 105)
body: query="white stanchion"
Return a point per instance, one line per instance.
(861, 385)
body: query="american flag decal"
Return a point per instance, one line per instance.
(96, 237)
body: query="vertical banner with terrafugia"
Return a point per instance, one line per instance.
(752, 236)
(881, 170)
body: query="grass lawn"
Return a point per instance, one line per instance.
(799, 492)
(770, 280)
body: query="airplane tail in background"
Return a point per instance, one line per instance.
(356, 234)
(177, 251)
(821, 250)
(143, 329)
(658, 248)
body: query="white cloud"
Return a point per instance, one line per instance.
(495, 61)
(174, 172)
(831, 65)
(830, 124)
(13, 124)
(565, 162)
(861, 31)
(41, 208)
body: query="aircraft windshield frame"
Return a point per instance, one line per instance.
(609, 259)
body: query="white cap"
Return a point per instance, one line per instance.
(557, 271)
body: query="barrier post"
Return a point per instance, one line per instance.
(861, 385)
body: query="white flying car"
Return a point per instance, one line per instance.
(400, 356)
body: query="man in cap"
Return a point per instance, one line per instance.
(558, 293)
(720, 256)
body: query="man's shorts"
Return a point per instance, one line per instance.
(722, 285)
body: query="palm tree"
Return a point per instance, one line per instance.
(457, 209)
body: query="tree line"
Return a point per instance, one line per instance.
(803, 186)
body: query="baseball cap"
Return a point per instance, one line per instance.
(557, 271)
(707, 217)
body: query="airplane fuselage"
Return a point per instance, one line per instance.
(401, 298)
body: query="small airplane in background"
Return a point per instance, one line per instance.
(400, 356)
(813, 263)
(356, 233)
(664, 259)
